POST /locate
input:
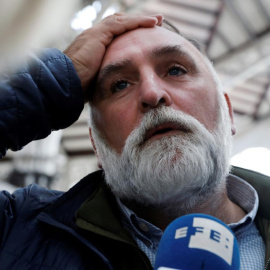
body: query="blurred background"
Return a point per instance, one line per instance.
(234, 33)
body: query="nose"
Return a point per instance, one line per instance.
(153, 94)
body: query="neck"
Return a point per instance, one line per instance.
(162, 216)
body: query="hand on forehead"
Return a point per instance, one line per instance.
(88, 49)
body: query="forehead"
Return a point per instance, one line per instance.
(142, 41)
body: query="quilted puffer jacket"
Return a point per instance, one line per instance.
(43, 95)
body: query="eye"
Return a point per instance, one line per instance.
(119, 85)
(176, 71)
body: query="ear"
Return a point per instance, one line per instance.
(95, 149)
(233, 129)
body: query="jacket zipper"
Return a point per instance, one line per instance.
(145, 263)
(267, 264)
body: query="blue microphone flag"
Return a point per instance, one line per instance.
(197, 241)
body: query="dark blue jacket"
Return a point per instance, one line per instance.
(38, 230)
(44, 95)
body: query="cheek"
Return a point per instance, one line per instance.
(198, 99)
(208, 107)
(116, 123)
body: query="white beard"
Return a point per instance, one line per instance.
(183, 169)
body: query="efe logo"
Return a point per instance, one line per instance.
(211, 236)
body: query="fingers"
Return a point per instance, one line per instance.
(159, 18)
(119, 23)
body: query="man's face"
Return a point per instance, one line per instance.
(159, 122)
(143, 69)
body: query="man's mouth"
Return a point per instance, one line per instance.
(165, 130)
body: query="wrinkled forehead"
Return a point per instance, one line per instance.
(144, 40)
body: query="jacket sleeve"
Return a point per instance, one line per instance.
(44, 95)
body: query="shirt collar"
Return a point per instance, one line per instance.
(244, 195)
(146, 231)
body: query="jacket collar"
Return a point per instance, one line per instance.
(100, 214)
(61, 213)
(64, 208)
(89, 205)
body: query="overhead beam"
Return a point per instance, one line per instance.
(261, 66)
(239, 16)
(262, 97)
(224, 39)
(263, 9)
(243, 46)
(214, 27)
(190, 6)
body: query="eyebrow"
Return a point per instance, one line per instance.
(175, 50)
(113, 68)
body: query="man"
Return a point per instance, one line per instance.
(162, 131)
(161, 127)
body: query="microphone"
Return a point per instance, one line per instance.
(197, 241)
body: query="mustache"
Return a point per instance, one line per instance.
(164, 119)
